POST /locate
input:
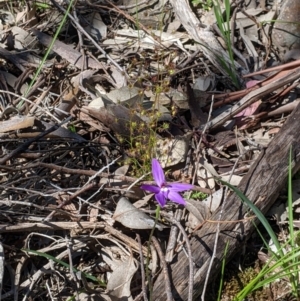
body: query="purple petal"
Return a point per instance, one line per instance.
(176, 198)
(151, 188)
(161, 199)
(158, 173)
(179, 187)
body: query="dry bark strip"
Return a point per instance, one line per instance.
(261, 185)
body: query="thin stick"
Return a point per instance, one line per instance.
(31, 102)
(189, 251)
(164, 267)
(200, 141)
(53, 226)
(173, 237)
(144, 290)
(68, 200)
(27, 143)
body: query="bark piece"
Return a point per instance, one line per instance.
(286, 32)
(261, 185)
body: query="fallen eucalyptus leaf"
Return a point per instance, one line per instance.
(234, 179)
(131, 217)
(172, 151)
(213, 201)
(199, 212)
(126, 95)
(96, 27)
(118, 285)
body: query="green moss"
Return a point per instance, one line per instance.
(237, 282)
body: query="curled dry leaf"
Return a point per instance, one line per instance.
(118, 285)
(205, 177)
(123, 268)
(172, 151)
(131, 217)
(213, 201)
(118, 119)
(199, 212)
(96, 27)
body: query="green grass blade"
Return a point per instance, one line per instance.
(259, 215)
(38, 71)
(295, 273)
(290, 200)
(62, 263)
(222, 272)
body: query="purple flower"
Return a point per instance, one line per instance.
(164, 190)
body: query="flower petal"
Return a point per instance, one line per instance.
(158, 173)
(176, 198)
(151, 188)
(161, 199)
(179, 187)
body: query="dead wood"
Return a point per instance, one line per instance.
(262, 185)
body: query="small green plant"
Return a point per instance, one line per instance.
(196, 195)
(41, 5)
(72, 128)
(206, 5)
(143, 140)
(143, 137)
(141, 143)
(222, 272)
(224, 27)
(240, 279)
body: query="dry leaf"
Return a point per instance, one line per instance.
(131, 217)
(118, 285)
(199, 212)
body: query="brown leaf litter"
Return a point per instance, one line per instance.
(71, 137)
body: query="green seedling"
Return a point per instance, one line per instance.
(42, 5)
(206, 5)
(196, 195)
(224, 27)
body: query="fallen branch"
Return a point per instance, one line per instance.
(262, 185)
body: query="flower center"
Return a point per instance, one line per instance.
(164, 189)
